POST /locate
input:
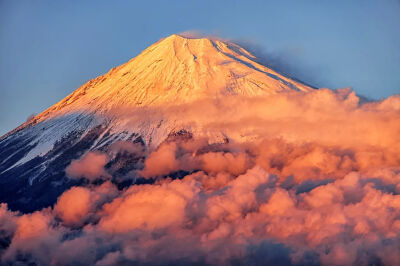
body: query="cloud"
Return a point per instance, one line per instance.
(291, 179)
(161, 162)
(216, 162)
(140, 207)
(90, 166)
(75, 205)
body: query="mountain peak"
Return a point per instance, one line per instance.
(186, 48)
(177, 70)
(188, 37)
(197, 44)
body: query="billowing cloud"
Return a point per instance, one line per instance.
(161, 162)
(75, 206)
(90, 166)
(303, 179)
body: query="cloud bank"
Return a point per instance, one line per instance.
(314, 180)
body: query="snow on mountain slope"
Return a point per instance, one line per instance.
(175, 70)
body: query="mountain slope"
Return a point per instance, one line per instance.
(133, 102)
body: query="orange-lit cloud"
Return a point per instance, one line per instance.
(90, 166)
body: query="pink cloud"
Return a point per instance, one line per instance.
(90, 166)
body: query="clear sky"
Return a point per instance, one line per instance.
(49, 48)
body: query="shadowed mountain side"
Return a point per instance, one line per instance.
(31, 184)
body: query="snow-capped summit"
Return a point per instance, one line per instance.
(128, 103)
(177, 70)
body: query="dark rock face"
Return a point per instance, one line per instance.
(181, 135)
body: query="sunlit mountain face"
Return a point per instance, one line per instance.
(195, 153)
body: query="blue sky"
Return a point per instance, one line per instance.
(49, 48)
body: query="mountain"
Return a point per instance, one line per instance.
(133, 102)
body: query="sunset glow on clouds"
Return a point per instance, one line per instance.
(315, 181)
